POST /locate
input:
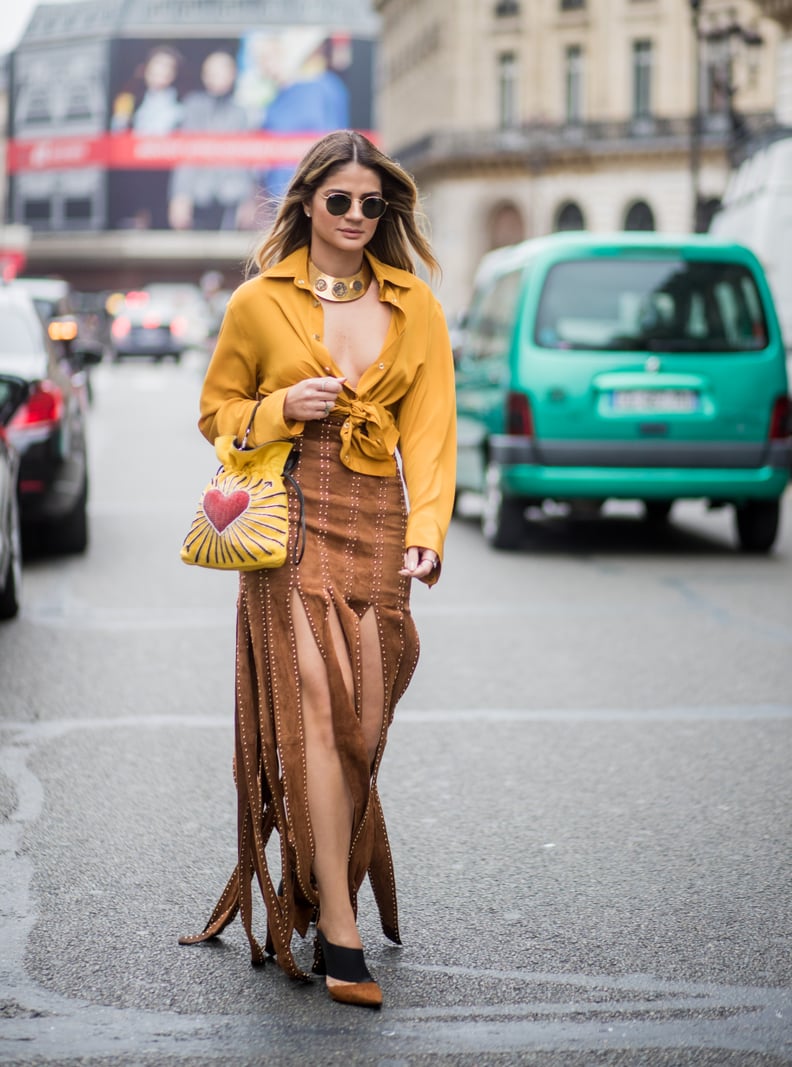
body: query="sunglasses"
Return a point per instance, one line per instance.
(373, 207)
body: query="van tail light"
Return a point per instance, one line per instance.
(519, 420)
(781, 419)
(43, 407)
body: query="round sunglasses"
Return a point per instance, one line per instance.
(373, 207)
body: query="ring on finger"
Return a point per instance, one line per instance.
(322, 386)
(327, 409)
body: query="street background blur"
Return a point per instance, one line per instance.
(587, 784)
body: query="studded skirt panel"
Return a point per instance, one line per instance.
(355, 527)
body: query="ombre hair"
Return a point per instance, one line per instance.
(398, 233)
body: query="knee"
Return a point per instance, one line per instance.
(318, 721)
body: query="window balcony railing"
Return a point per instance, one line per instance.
(535, 142)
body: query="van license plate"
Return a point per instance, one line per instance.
(663, 401)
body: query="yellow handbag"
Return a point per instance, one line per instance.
(242, 521)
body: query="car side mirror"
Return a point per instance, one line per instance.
(86, 353)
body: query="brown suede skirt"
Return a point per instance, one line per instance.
(348, 577)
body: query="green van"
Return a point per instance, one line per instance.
(629, 366)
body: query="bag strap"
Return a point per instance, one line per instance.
(299, 541)
(250, 425)
(291, 459)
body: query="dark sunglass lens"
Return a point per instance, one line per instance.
(374, 207)
(338, 203)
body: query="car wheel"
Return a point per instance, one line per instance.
(657, 511)
(71, 533)
(757, 525)
(12, 584)
(502, 517)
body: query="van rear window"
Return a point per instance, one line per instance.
(651, 305)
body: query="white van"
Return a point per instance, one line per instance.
(757, 212)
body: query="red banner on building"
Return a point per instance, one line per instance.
(129, 151)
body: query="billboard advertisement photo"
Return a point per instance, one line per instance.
(190, 134)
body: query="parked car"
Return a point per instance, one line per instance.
(72, 327)
(630, 366)
(48, 430)
(12, 393)
(160, 320)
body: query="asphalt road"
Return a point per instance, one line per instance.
(587, 788)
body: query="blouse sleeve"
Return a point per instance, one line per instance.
(231, 389)
(427, 426)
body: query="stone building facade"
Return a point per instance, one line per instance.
(520, 117)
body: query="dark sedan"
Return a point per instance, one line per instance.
(12, 393)
(147, 327)
(48, 429)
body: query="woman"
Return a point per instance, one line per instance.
(348, 353)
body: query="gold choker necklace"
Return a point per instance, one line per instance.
(326, 287)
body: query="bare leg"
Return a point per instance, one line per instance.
(329, 799)
(372, 684)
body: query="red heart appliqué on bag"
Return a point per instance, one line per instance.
(221, 510)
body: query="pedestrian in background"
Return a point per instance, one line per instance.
(349, 354)
(221, 197)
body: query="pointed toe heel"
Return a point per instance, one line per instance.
(348, 967)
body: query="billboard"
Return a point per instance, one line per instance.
(190, 133)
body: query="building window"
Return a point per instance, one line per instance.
(639, 217)
(506, 225)
(569, 217)
(573, 83)
(642, 79)
(507, 7)
(507, 90)
(572, 5)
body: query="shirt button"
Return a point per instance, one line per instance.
(317, 337)
(382, 366)
(301, 281)
(316, 303)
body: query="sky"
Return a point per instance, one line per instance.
(14, 17)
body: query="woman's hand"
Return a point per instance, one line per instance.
(419, 563)
(312, 398)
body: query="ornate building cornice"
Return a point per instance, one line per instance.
(536, 147)
(780, 10)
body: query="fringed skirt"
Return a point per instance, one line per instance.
(348, 577)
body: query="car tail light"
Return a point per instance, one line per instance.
(781, 419)
(179, 326)
(43, 407)
(519, 421)
(121, 327)
(62, 330)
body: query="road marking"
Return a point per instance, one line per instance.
(583, 1012)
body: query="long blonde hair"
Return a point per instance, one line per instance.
(399, 229)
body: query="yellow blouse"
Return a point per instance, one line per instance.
(271, 338)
